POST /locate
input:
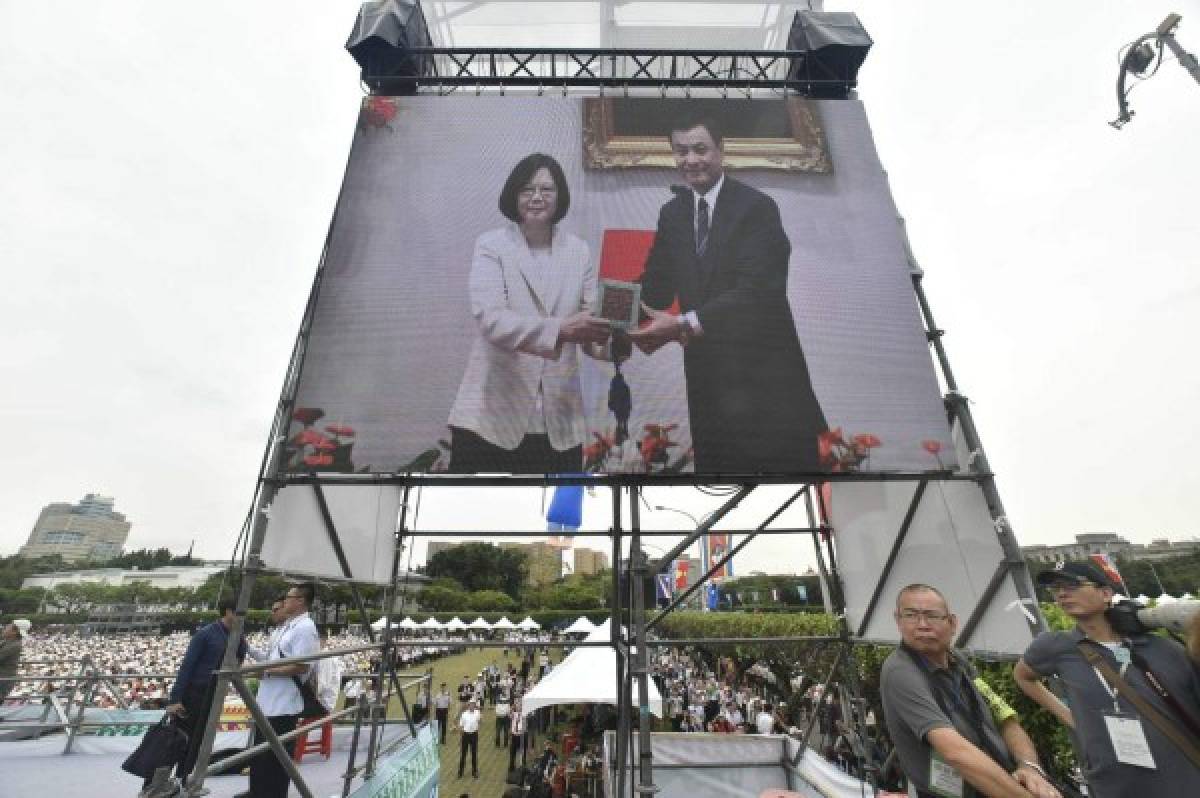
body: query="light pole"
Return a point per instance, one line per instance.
(1162, 591)
(703, 540)
(1140, 60)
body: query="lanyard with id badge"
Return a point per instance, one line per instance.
(944, 780)
(1124, 729)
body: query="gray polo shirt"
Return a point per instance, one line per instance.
(912, 711)
(1055, 653)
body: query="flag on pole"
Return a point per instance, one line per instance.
(565, 514)
(1110, 569)
(682, 567)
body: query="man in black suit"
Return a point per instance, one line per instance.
(721, 249)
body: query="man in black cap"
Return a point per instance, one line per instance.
(1123, 749)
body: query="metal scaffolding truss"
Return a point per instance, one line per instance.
(602, 68)
(607, 67)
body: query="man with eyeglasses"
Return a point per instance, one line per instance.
(279, 690)
(1123, 751)
(947, 739)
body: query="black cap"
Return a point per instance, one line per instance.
(1075, 572)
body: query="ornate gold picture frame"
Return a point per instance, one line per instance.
(781, 134)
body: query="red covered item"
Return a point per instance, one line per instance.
(623, 256)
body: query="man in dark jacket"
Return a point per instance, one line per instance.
(11, 642)
(191, 695)
(721, 249)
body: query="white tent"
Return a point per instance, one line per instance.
(529, 624)
(382, 622)
(1166, 598)
(479, 623)
(1142, 599)
(504, 623)
(586, 676)
(1186, 597)
(408, 623)
(582, 626)
(455, 624)
(431, 623)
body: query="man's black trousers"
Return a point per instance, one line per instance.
(469, 740)
(268, 779)
(442, 715)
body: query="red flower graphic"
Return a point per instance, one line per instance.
(594, 453)
(309, 448)
(308, 437)
(934, 448)
(377, 112)
(837, 455)
(318, 460)
(655, 443)
(308, 415)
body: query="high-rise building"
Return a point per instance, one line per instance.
(544, 561)
(589, 561)
(435, 546)
(89, 530)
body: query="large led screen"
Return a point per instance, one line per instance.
(543, 285)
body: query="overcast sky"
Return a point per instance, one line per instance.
(168, 171)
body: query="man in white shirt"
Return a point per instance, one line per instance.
(516, 734)
(502, 712)
(468, 724)
(329, 679)
(441, 708)
(734, 716)
(765, 721)
(278, 692)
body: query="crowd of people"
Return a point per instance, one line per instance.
(1132, 698)
(138, 670)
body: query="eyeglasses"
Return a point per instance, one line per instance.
(1068, 587)
(929, 616)
(545, 191)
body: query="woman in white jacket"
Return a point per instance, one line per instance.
(519, 409)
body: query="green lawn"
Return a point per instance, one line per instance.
(493, 761)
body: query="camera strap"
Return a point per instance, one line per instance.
(962, 693)
(1144, 708)
(1156, 684)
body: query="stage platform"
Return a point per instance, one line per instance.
(93, 769)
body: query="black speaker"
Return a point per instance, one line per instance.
(380, 42)
(834, 46)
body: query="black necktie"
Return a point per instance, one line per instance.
(701, 226)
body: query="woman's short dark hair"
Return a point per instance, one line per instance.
(522, 173)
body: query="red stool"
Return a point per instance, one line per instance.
(323, 745)
(570, 743)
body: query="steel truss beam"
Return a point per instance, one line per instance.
(716, 69)
(606, 67)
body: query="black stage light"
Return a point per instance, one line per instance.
(834, 44)
(380, 42)
(1139, 58)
